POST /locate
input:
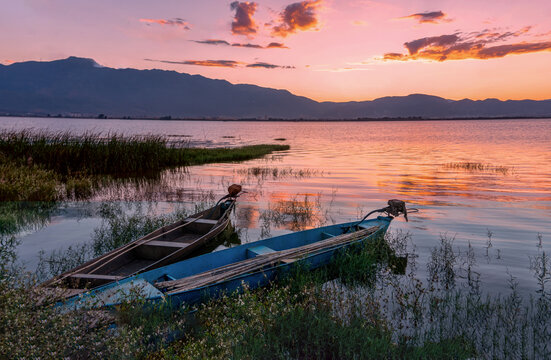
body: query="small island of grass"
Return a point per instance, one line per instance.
(35, 165)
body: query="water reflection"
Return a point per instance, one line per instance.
(357, 167)
(16, 217)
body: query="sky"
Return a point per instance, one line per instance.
(327, 50)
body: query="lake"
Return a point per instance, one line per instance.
(468, 178)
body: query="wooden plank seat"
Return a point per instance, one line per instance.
(173, 244)
(258, 250)
(97, 277)
(202, 221)
(325, 235)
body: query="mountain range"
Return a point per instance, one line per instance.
(80, 87)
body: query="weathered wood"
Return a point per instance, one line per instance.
(96, 276)
(166, 244)
(161, 247)
(135, 244)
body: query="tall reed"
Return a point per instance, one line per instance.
(114, 154)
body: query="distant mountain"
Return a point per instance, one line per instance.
(80, 87)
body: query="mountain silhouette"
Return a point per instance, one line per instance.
(81, 87)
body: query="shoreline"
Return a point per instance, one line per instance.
(383, 119)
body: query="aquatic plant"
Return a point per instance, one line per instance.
(477, 166)
(364, 305)
(265, 172)
(295, 214)
(45, 166)
(27, 183)
(114, 154)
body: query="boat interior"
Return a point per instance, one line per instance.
(183, 237)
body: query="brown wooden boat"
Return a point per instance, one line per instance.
(163, 246)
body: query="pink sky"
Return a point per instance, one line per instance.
(323, 49)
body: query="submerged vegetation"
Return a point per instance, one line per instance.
(39, 165)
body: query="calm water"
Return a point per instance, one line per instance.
(350, 168)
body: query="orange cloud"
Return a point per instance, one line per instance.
(432, 17)
(297, 16)
(276, 45)
(470, 46)
(171, 22)
(243, 23)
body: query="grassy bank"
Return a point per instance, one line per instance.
(35, 165)
(357, 308)
(365, 305)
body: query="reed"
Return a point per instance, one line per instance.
(477, 166)
(362, 306)
(295, 214)
(45, 166)
(265, 172)
(114, 154)
(23, 183)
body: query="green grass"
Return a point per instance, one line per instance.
(296, 319)
(362, 306)
(114, 154)
(197, 156)
(27, 183)
(43, 166)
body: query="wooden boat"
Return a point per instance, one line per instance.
(254, 264)
(162, 247)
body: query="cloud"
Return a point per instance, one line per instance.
(170, 22)
(212, 42)
(343, 69)
(493, 35)
(276, 45)
(433, 17)
(209, 63)
(243, 23)
(521, 48)
(434, 41)
(359, 23)
(475, 45)
(223, 63)
(254, 46)
(272, 45)
(297, 16)
(268, 66)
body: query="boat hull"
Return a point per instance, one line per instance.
(157, 249)
(113, 294)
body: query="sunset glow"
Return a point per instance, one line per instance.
(327, 50)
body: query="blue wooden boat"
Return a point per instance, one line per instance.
(265, 260)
